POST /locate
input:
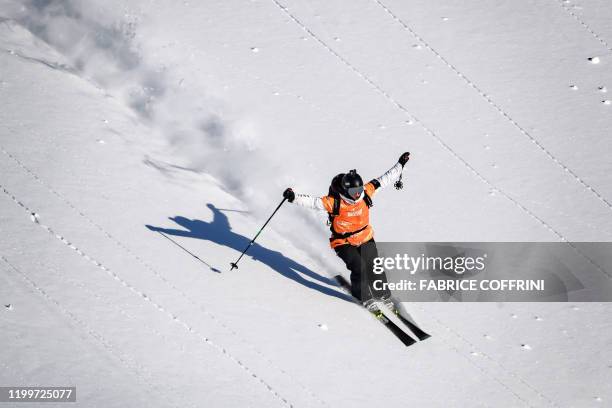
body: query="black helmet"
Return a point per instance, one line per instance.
(352, 185)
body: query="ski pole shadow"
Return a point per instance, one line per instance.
(220, 232)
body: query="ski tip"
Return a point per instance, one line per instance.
(410, 342)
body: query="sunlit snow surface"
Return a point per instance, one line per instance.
(143, 143)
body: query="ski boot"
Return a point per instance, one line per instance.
(386, 301)
(392, 306)
(372, 306)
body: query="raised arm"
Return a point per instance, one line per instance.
(393, 174)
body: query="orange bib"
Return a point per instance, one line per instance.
(351, 218)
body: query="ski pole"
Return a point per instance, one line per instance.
(235, 264)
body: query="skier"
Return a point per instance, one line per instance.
(352, 238)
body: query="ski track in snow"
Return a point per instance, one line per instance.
(393, 101)
(490, 101)
(109, 305)
(429, 131)
(472, 346)
(49, 64)
(576, 17)
(155, 272)
(225, 352)
(133, 367)
(483, 370)
(275, 89)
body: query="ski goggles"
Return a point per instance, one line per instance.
(355, 192)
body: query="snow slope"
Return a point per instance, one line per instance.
(152, 139)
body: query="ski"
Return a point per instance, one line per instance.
(375, 309)
(421, 335)
(414, 329)
(378, 310)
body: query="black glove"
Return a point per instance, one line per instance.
(289, 195)
(404, 158)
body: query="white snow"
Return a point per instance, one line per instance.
(142, 145)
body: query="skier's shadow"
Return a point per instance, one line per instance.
(220, 231)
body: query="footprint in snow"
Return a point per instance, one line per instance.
(8, 306)
(606, 102)
(255, 49)
(574, 87)
(323, 326)
(594, 60)
(525, 346)
(602, 89)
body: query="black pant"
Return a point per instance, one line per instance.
(360, 261)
